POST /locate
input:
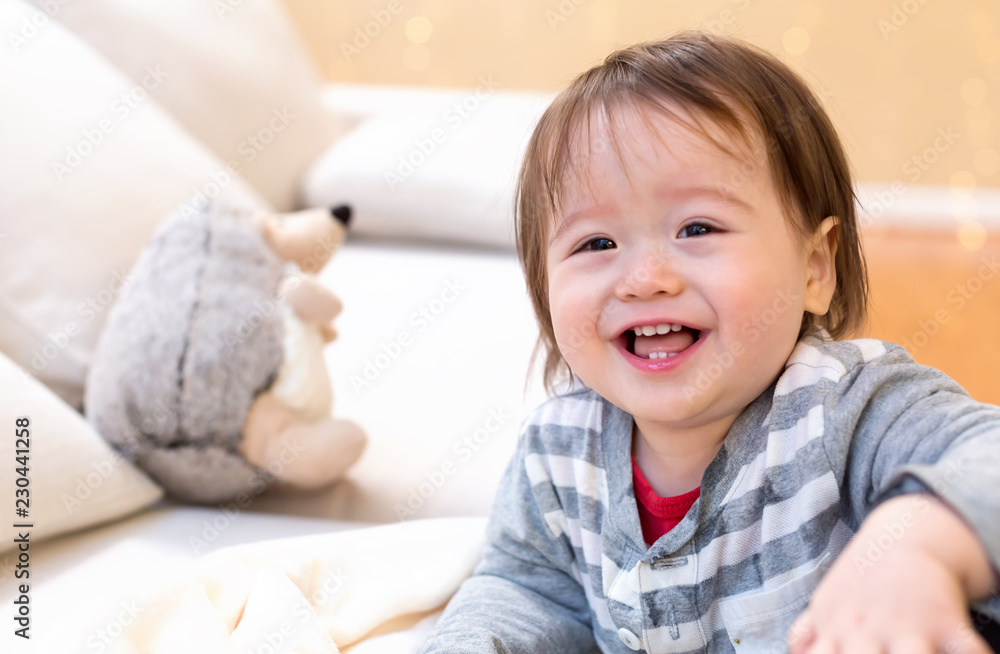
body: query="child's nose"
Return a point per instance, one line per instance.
(648, 275)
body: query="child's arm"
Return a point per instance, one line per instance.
(913, 597)
(521, 597)
(920, 467)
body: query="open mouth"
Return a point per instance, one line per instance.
(667, 341)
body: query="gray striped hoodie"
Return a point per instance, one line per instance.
(847, 425)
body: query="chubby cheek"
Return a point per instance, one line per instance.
(766, 329)
(574, 321)
(758, 307)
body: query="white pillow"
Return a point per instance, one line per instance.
(432, 165)
(75, 479)
(84, 181)
(238, 78)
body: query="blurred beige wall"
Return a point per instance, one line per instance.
(894, 75)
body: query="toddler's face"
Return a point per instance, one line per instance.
(696, 239)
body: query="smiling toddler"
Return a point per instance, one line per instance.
(719, 469)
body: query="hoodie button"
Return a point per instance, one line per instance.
(631, 640)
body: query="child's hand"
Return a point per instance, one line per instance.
(906, 592)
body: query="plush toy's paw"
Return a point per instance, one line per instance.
(311, 300)
(313, 455)
(297, 452)
(327, 331)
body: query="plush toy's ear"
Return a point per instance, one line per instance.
(342, 213)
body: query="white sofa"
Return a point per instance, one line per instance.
(113, 116)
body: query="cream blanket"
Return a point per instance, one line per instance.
(375, 589)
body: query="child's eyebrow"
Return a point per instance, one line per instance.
(572, 218)
(716, 192)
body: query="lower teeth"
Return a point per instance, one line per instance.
(661, 355)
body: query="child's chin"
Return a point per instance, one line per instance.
(664, 408)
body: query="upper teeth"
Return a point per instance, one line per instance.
(662, 328)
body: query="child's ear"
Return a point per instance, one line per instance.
(821, 271)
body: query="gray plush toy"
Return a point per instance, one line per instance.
(209, 372)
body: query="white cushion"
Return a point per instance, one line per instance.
(236, 71)
(438, 165)
(74, 478)
(84, 180)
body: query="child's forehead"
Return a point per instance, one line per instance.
(644, 132)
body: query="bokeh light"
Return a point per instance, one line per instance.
(962, 183)
(418, 29)
(974, 91)
(795, 41)
(972, 235)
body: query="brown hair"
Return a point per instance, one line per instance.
(738, 87)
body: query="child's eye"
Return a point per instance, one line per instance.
(695, 229)
(600, 243)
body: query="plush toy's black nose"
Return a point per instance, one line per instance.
(342, 213)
